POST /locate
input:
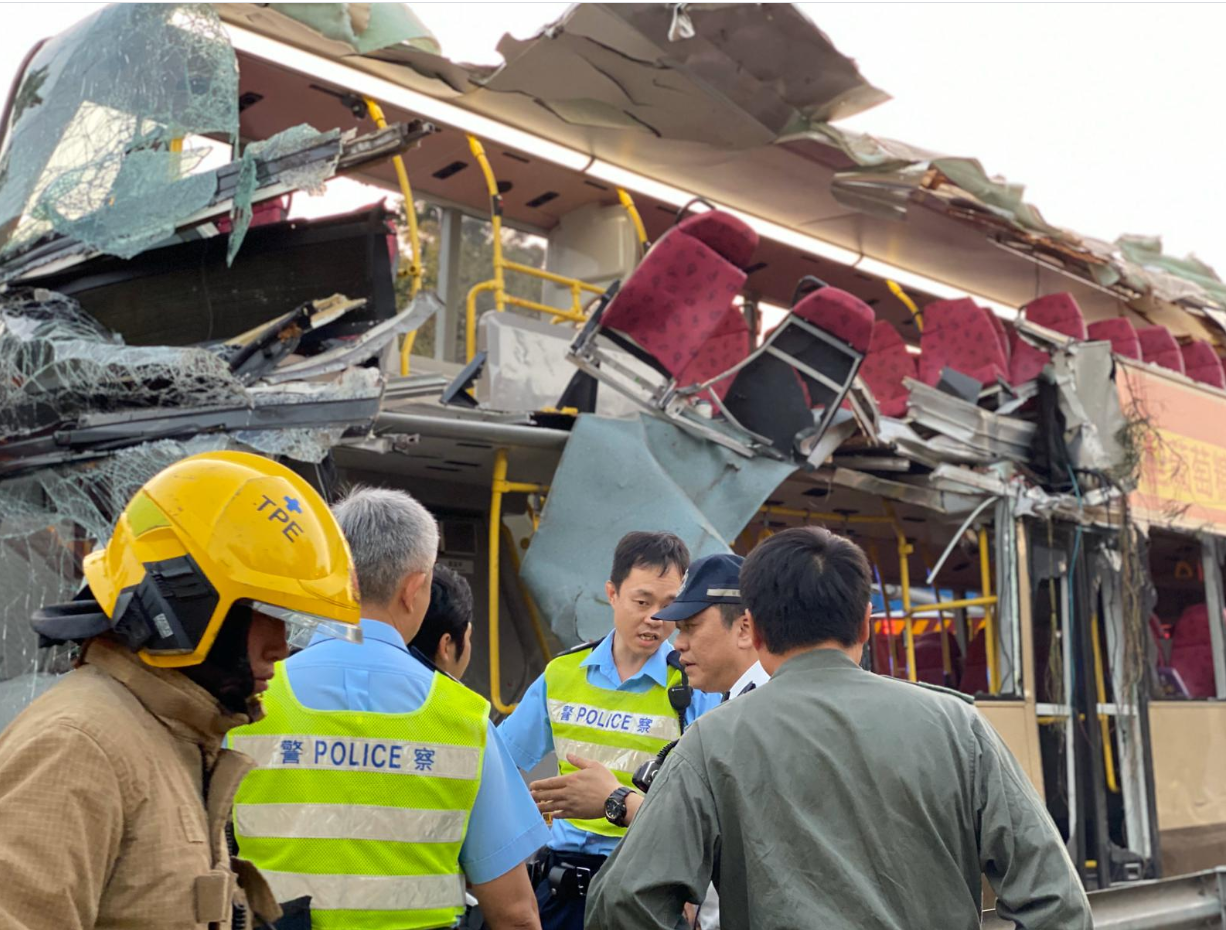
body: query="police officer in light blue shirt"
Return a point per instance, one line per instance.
(647, 573)
(394, 542)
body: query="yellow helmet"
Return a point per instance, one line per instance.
(212, 530)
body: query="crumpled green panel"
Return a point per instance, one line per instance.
(88, 153)
(310, 178)
(364, 27)
(1001, 196)
(1146, 251)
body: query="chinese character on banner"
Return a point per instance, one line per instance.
(424, 759)
(644, 725)
(566, 713)
(291, 751)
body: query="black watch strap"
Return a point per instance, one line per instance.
(615, 806)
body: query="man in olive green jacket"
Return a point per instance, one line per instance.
(832, 797)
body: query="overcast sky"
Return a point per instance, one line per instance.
(1110, 114)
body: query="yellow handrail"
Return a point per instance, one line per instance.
(538, 628)
(1101, 689)
(498, 283)
(905, 299)
(628, 203)
(499, 486)
(414, 271)
(989, 615)
(904, 574)
(987, 601)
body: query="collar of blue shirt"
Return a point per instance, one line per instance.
(375, 630)
(656, 668)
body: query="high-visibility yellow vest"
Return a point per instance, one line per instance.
(619, 729)
(365, 812)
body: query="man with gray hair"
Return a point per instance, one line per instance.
(380, 808)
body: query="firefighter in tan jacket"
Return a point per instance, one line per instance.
(114, 786)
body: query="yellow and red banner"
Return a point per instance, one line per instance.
(1182, 439)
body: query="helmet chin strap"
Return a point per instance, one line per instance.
(226, 672)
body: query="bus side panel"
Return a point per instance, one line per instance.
(1016, 724)
(1189, 747)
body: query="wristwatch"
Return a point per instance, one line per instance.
(615, 807)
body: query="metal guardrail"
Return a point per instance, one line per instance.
(1183, 903)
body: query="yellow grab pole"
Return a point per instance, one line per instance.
(538, 628)
(498, 487)
(897, 291)
(904, 575)
(1101, 687)
(491, 184)
(470, 319)
(627, 203)
(415, 271)
(989, 615)
(500, 477)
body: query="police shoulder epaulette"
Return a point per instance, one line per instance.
(960, 695)
(591, 644)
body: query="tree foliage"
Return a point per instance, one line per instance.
(476, 265)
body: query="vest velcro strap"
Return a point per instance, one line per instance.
(370, 892)
(350, 822)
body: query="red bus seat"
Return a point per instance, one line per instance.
(975, 669)
(1158, 347)
(1120, 332)
(1202, 364)
(958, 335)
(681, 294)
(885, 366)
(930, 661)
(1057, 312)
(1192, 652)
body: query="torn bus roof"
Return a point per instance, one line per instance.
(737, 126)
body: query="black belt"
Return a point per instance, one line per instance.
(569, 873)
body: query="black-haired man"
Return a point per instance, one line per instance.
(605, 702)
(927, 786)
(446, 634)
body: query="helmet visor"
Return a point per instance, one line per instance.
(300, 627)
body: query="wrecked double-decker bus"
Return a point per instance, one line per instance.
(635, 277)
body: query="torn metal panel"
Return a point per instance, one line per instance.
(351, 405)
(940, 501)
(729, 75)
(1000, 437)
(527, 368)
(89, 150)
(256, 352)
(949, 477)
(56, 364)
(642, 474)
(315, 160)
(1090, 403)
(367, 346)
(200, 299)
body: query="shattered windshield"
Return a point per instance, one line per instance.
(98, 141)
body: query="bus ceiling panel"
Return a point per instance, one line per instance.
(535, 192)
(945, 248)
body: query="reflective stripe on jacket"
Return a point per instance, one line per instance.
(365, 812)
(619, 729)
